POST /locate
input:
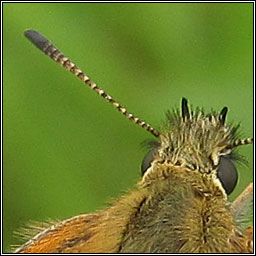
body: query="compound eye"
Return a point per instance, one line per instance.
(147, 160)
(227, 174)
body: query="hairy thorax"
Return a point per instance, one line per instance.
(179, 218)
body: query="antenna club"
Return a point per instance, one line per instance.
(37, 39)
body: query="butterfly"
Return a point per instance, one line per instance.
(180, 205)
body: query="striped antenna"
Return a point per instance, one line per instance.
(241, 142)
(49, 49)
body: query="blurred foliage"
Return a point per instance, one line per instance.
(67, 151)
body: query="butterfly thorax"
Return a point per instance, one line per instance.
(182, 216)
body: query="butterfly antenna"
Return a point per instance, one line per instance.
(241, 142)
(49, 49)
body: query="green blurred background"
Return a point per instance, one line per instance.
(67, 151)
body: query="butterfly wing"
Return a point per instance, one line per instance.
(88, 233)
(242, 209)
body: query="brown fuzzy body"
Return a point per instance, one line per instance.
(178, 218)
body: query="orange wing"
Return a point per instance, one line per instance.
(73, 235)
(88, 233)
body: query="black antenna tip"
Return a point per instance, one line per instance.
(223, 114)
(184, 108)
(37, 39)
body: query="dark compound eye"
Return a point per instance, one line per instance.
(227, 174)
(147, 160)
